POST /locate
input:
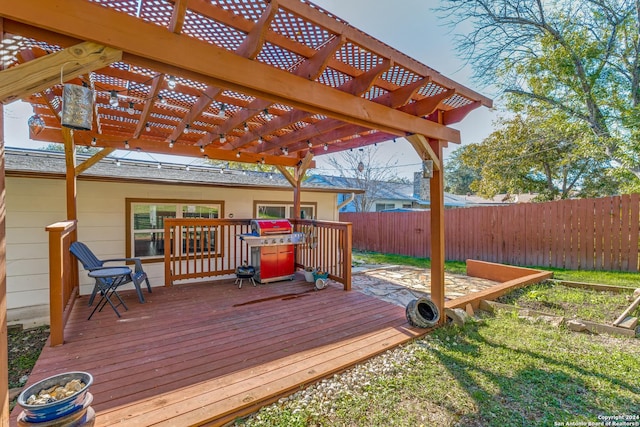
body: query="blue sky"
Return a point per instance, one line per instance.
(410, 26)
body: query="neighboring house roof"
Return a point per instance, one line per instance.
(27, 162)
(401, 192)
(385, 190)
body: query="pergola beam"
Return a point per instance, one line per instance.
(424, 149)
(93, 160)
(310, 68)
(149, 146)
(168, 52)
(42, 73)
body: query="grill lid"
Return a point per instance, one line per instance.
(265, 227)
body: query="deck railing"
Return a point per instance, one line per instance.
(327, 246)
(63, 278)
(201, 248)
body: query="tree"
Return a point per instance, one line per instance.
(366, 172)
(581, 58)
(458, 175)
(539, 153)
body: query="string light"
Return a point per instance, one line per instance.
(246, 127)
(187, 168)
(171, 144)
(267, 115)
(147, 127)
(260, 140)
(202, 149)
(262, 161)
(309, 144)
(159, 165)
(126, 145)
(325, 147)
(171, 82)
(118, 162)
(238, 154)
(223, 138)
(131, 110)
(113, 98)
(162, 100)
(93, 142)
(221, 113)
(187, 128)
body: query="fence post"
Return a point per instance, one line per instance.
(348, 247)
(57, 277)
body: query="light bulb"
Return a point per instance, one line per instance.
(221, 113)
(223, 139)
(187, 128)
(260, 140)
(126, 145)
(171, 82)
(131, 110)
(238, 154)
(309, 144)
(171, 144)
(246, 127)
(159, 165)
(161, 99)
(326, 147)
(147, 127)
(118, 162)
(94, 142)
(113, 98)
(188, 168)
(201, 149)
(267, 115)
(262, 161)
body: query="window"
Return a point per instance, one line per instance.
(383, 206)
(275, 210)
(145, 229)
(406, 205)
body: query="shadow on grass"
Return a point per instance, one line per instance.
(519, 385)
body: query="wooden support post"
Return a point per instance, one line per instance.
(436, 191)
(71, 193)
(4, 358)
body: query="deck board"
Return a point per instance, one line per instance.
(202, 353)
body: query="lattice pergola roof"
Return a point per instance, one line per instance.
(245, 80)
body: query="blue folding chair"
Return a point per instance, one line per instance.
(90, 262)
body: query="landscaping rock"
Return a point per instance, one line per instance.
(458, 316)
(576, 326)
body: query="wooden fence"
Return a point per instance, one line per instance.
(585, 234)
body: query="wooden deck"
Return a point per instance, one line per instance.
(209, 352)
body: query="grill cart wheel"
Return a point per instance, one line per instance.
(422, 313)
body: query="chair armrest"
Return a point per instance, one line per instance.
(137, 262)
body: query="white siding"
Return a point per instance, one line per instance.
(34, 203)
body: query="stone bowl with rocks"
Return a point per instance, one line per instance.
(55, 397)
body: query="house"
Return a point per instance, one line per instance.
(121, 207)
(392, 196)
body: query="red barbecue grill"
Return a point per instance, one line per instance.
(272, 252)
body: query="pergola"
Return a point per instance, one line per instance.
(257, 81)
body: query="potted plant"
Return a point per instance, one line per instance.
(308, 274)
